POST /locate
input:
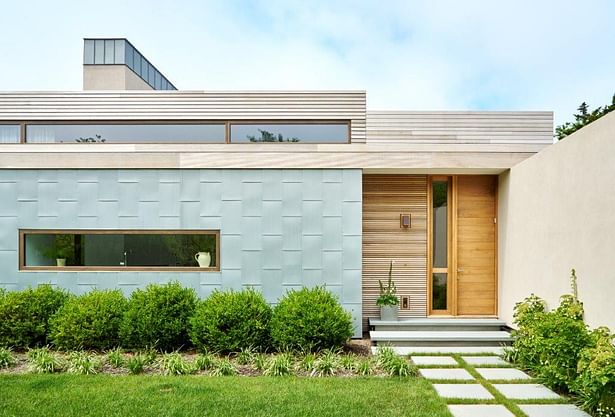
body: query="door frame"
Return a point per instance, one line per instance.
(452, 240)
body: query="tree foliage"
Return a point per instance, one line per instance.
(583, 118)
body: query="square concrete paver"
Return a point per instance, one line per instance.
(553, 410)
(502, 373)
(526, 391)
(469, 391)
(433, 360)
(484, 360)
(479, 410)
(446, 373)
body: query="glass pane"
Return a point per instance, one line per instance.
(144, 66)
(440, 220)
(151, 73)
(99, 51)
(157, 83)
(137, 62)
(290, 133)
(109, 51)
(125, 133)
(129, 59)
(9, 133)
(438, 291)
(88, 52)
(121, 250)
(119, 52)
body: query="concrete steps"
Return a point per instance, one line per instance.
(465, 350)
(463, 335)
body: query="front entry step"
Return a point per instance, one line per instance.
(471, 350)
(429, 324)
(441, 338)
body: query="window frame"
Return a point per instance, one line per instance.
(51, 268)
(225, 122)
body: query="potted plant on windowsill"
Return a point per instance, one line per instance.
(61, 250)
(388, 301)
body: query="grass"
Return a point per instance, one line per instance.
(97, 395)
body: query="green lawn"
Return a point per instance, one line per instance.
(106, 395)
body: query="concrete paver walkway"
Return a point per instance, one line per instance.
(508, 385)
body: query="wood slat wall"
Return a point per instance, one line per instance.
(497, 127)
(385, 197)
(189, 105)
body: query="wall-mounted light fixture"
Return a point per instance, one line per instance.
(405, 221)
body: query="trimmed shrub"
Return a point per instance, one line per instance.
(158, 316)
(91, 321)
(24, 315)
(231, 321)
(310, 320)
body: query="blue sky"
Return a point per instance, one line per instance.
(416, 55)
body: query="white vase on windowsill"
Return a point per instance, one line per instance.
(204, 259)
(60, 262)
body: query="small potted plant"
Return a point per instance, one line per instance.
(61, 250)
(388, 301)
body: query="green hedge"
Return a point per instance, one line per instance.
(231, 321)
(310, 320)
(168, 317)
(91, 321)
(158, 317)
(24, 315)
(557, 347)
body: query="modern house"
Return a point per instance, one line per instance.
(132, 181)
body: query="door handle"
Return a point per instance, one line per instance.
(460, 270)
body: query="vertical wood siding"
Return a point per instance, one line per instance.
(385, 197)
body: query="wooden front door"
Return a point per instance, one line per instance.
(476, 286)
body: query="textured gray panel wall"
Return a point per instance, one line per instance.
(280, 229)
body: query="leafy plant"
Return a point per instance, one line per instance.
(224, 367)
(327, 364)
(91, 321)
(7, 359)
(115, 358)
(308, 362)
(83, 363)
(63, 247)
(245, 356)
(260, 361)
(230, 321)
(595, 383)
(175, 364)
(136, 363)
(365, 367)
(24, 315)
(204, 361)
(279, 365)
(393, 364)
(310, 320)
(348, 362)
(158, 316)
(388, 292)
(42, 360)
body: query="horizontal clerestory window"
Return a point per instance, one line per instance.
(120, 250)
(126, 133)
(9, 133)
(290, 133)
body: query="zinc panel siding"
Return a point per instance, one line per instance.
(385, 197)
(273, 242)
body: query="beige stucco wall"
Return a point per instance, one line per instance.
(112, 77)
(557, 212)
